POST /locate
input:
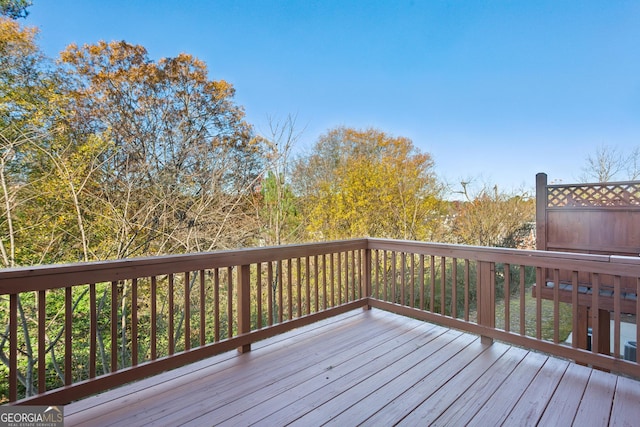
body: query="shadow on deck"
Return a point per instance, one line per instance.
(374, 368)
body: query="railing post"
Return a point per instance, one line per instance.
(244, 304)
(486, 297)
(366, 279)
(541, 211)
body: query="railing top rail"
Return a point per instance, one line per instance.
(35, 278)
(594, 263)
(54, 276)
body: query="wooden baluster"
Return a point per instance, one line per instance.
(42, 327)
(229, 302)
(259, 294)
(385, 295)
(289, 289)
(403, 273)
(443, 281)
(171, 320)
(506, 288)
(154, 318)
(595, 318)
(578, 335)
(114, 326)
(13, 347)
(556, 306)
(216, 303)
(134, 322)
(68, 335)
(540, 284)
(421, 281)
(394, 278)
(244, 304)
(522, 300)
(333, 278)
(432, 285)
(203, 307)
(616, 315)
(367, 290)
(316, 271)
(454, 288)
(324, 281)
(187, 310)
(466, 289)
(280, 287)
(353, 275)
(270, 292)
(299, 286)
(339, 278)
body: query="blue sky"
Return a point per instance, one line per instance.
(495, 91)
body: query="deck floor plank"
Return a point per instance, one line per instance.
(397, 406)
(479, 393)
(498, 406)
(338, 371)
(267, 377)
(533, 401)
(177, 374)
(158, 390)
(322, 404)
(438, 402)
(565, 402)
(160, 401)
(597, 401)
(626, 402)
(375, 368)
(308, 375)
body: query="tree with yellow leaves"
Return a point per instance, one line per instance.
(358, 183)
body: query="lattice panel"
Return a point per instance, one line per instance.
(615, 194)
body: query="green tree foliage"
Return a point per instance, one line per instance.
(366, 183)
(279, 210)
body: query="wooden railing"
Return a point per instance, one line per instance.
(489, 291)
(74, 330)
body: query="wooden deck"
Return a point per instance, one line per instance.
(373, 368)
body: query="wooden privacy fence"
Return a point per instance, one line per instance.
(74, 330)
(598, 218)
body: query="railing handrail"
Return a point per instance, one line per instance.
(596, 263)
(27, 279)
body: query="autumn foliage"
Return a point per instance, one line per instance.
(359, 183)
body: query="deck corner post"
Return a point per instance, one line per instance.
(366, 279)
(541, 211)
(486, 298)
(244, 304)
